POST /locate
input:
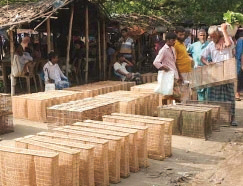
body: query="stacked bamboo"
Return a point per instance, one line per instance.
(149, 88)
(149, 77)
(28, 167)
(101, 87)
(189, 120)
(159, 132)
(74, 111)
(94, 108)
(6, 119)
(33, 106)
(139, 103)
(87, 153)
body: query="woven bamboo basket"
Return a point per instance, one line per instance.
(6, 123)
(68, 159)
(155, 141)
(142, 139)
(5, 103)
(168, 129)
(28, 167)
(19, 104)
(114, 168)
(114, 148)
(215, 114)
(129, 149)
(208, 120)
(166, 112)
(86, 164)
(225, 110)
(100, 153)
(189, 125)
(194, 123)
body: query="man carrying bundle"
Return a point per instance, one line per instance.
(220, 49)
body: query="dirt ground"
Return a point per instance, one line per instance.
(195, 162)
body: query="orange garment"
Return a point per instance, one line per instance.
(183, 60)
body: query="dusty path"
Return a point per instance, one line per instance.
(195, 162)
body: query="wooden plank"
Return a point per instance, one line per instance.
(69, 39)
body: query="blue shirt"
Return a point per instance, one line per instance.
(196, 50)
(239, 53)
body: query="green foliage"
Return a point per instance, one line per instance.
(233, 18)
(178, 11)
(5, 2)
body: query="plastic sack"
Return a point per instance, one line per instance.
(50, 86)
(165, 83)
(16, 67)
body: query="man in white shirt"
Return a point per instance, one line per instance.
(53, 73)
(220, 49)
(121, 71)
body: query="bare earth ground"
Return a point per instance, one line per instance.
(195, 162)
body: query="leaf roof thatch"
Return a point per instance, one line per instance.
(25, 11)
(143, 21)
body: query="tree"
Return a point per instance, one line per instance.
(178, 11)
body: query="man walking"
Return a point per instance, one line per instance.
(166, 59)
(196, 50)
(184, 64)
(220, 49)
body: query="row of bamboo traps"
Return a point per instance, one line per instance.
(126, 102)
(87, 153)
(193, 120)
(33, 106)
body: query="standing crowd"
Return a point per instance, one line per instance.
(219, 46)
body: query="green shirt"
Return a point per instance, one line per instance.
(196, 50)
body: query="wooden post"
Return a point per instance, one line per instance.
(13, 82)
(48, 27)
(99, 50)
(69, 39)
(104, 50)
(87, 42)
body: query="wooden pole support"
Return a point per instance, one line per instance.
(11, 40)
(99, 50)
(87, 42)
(104, 50)
(69, 39)
(48, 27)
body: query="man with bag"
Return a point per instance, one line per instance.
(184, 64)
(53, 73)
(165, 62)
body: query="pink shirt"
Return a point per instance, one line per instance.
(167, 58)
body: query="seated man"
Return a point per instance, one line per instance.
(121, 71)
(53, 73)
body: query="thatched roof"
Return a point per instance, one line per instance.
(25, 12)
(143, 21)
